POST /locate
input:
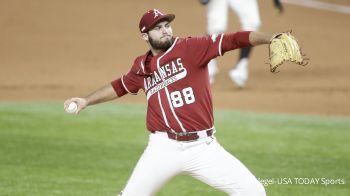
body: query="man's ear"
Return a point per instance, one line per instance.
(144, 36)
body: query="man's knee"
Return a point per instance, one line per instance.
(216, 26)
(251, 25)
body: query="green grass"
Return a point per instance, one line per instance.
(44, 151)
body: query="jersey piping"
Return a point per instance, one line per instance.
(127, 88)
(163, 113)
(167, 93)
(220, 50)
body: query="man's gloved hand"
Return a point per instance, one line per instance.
(284, 47)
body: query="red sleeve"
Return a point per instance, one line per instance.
(129, 83)
(202, 49)
(236, 40)
(118, 87)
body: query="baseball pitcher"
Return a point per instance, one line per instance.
(173, 74)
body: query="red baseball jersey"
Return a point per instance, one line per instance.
(176, 82)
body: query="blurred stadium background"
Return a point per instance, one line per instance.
(50, 50)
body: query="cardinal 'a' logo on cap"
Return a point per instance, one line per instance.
(157, 13)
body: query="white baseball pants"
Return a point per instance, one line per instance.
(247, 12)
(204, 159)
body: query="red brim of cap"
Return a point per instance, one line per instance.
(167, 17)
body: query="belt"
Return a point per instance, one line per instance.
(190, 136)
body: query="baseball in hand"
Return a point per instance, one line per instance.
(72, 107)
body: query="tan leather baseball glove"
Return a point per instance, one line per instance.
(284, 47)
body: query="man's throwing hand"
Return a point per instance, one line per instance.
(74, 105)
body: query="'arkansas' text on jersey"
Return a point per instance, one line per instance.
(164, 75)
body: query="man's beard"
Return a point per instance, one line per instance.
(163, 46)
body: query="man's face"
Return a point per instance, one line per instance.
(160, 36)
